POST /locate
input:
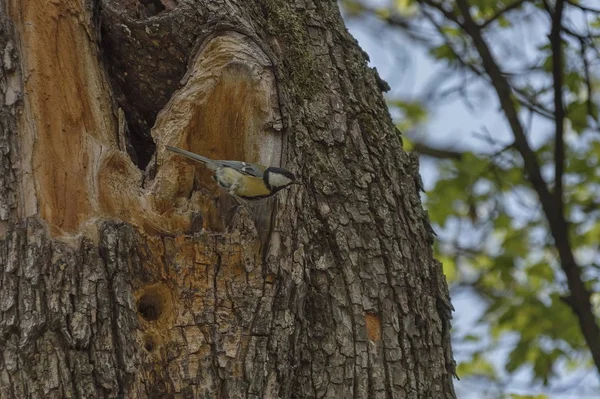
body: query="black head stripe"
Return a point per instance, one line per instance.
(281, 171)
(266, 179)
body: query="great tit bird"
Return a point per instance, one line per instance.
(244, 180)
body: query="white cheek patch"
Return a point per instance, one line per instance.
(277, 180)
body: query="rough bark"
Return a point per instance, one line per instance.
(122, 271)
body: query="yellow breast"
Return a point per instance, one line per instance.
(243, 185)
(252, 187)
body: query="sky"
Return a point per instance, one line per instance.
(408, 69)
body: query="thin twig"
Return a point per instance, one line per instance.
(584, 8)
(438, 153)
(588, 81)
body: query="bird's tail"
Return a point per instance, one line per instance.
(207, 161)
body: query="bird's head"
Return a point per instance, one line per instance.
(279, 178)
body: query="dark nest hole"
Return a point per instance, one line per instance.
(153, 6)
(151, 305)
(149, 343)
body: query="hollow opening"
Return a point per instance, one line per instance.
(151, 305)
(149, 343)
(153, 6)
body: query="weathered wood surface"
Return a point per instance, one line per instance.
(122, 273)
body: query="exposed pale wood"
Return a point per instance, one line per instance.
(66, 119)
(227, 109)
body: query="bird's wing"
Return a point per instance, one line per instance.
(246, 168)
(243, 167)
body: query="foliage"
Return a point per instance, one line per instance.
(499, 225)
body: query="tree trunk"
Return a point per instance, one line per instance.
(123, 270)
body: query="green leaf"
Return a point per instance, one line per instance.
(406, 7)
(577, 113)
(353, 8)
(443, 52)
(519, 355)
(574, 81)
(413, 113)
(540, 274)
(502, 222)
(478, 366)
(471, 338)
(547, 65)
(449, 267)
(503, 22)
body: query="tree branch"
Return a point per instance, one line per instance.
(559, 110)
(584, 8)
(501, 12)
(588, 81)
(505, 95)
(438, 153)
(533, 105)
(448, 14)
(580, 295)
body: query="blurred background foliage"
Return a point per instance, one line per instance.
(515, 202)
